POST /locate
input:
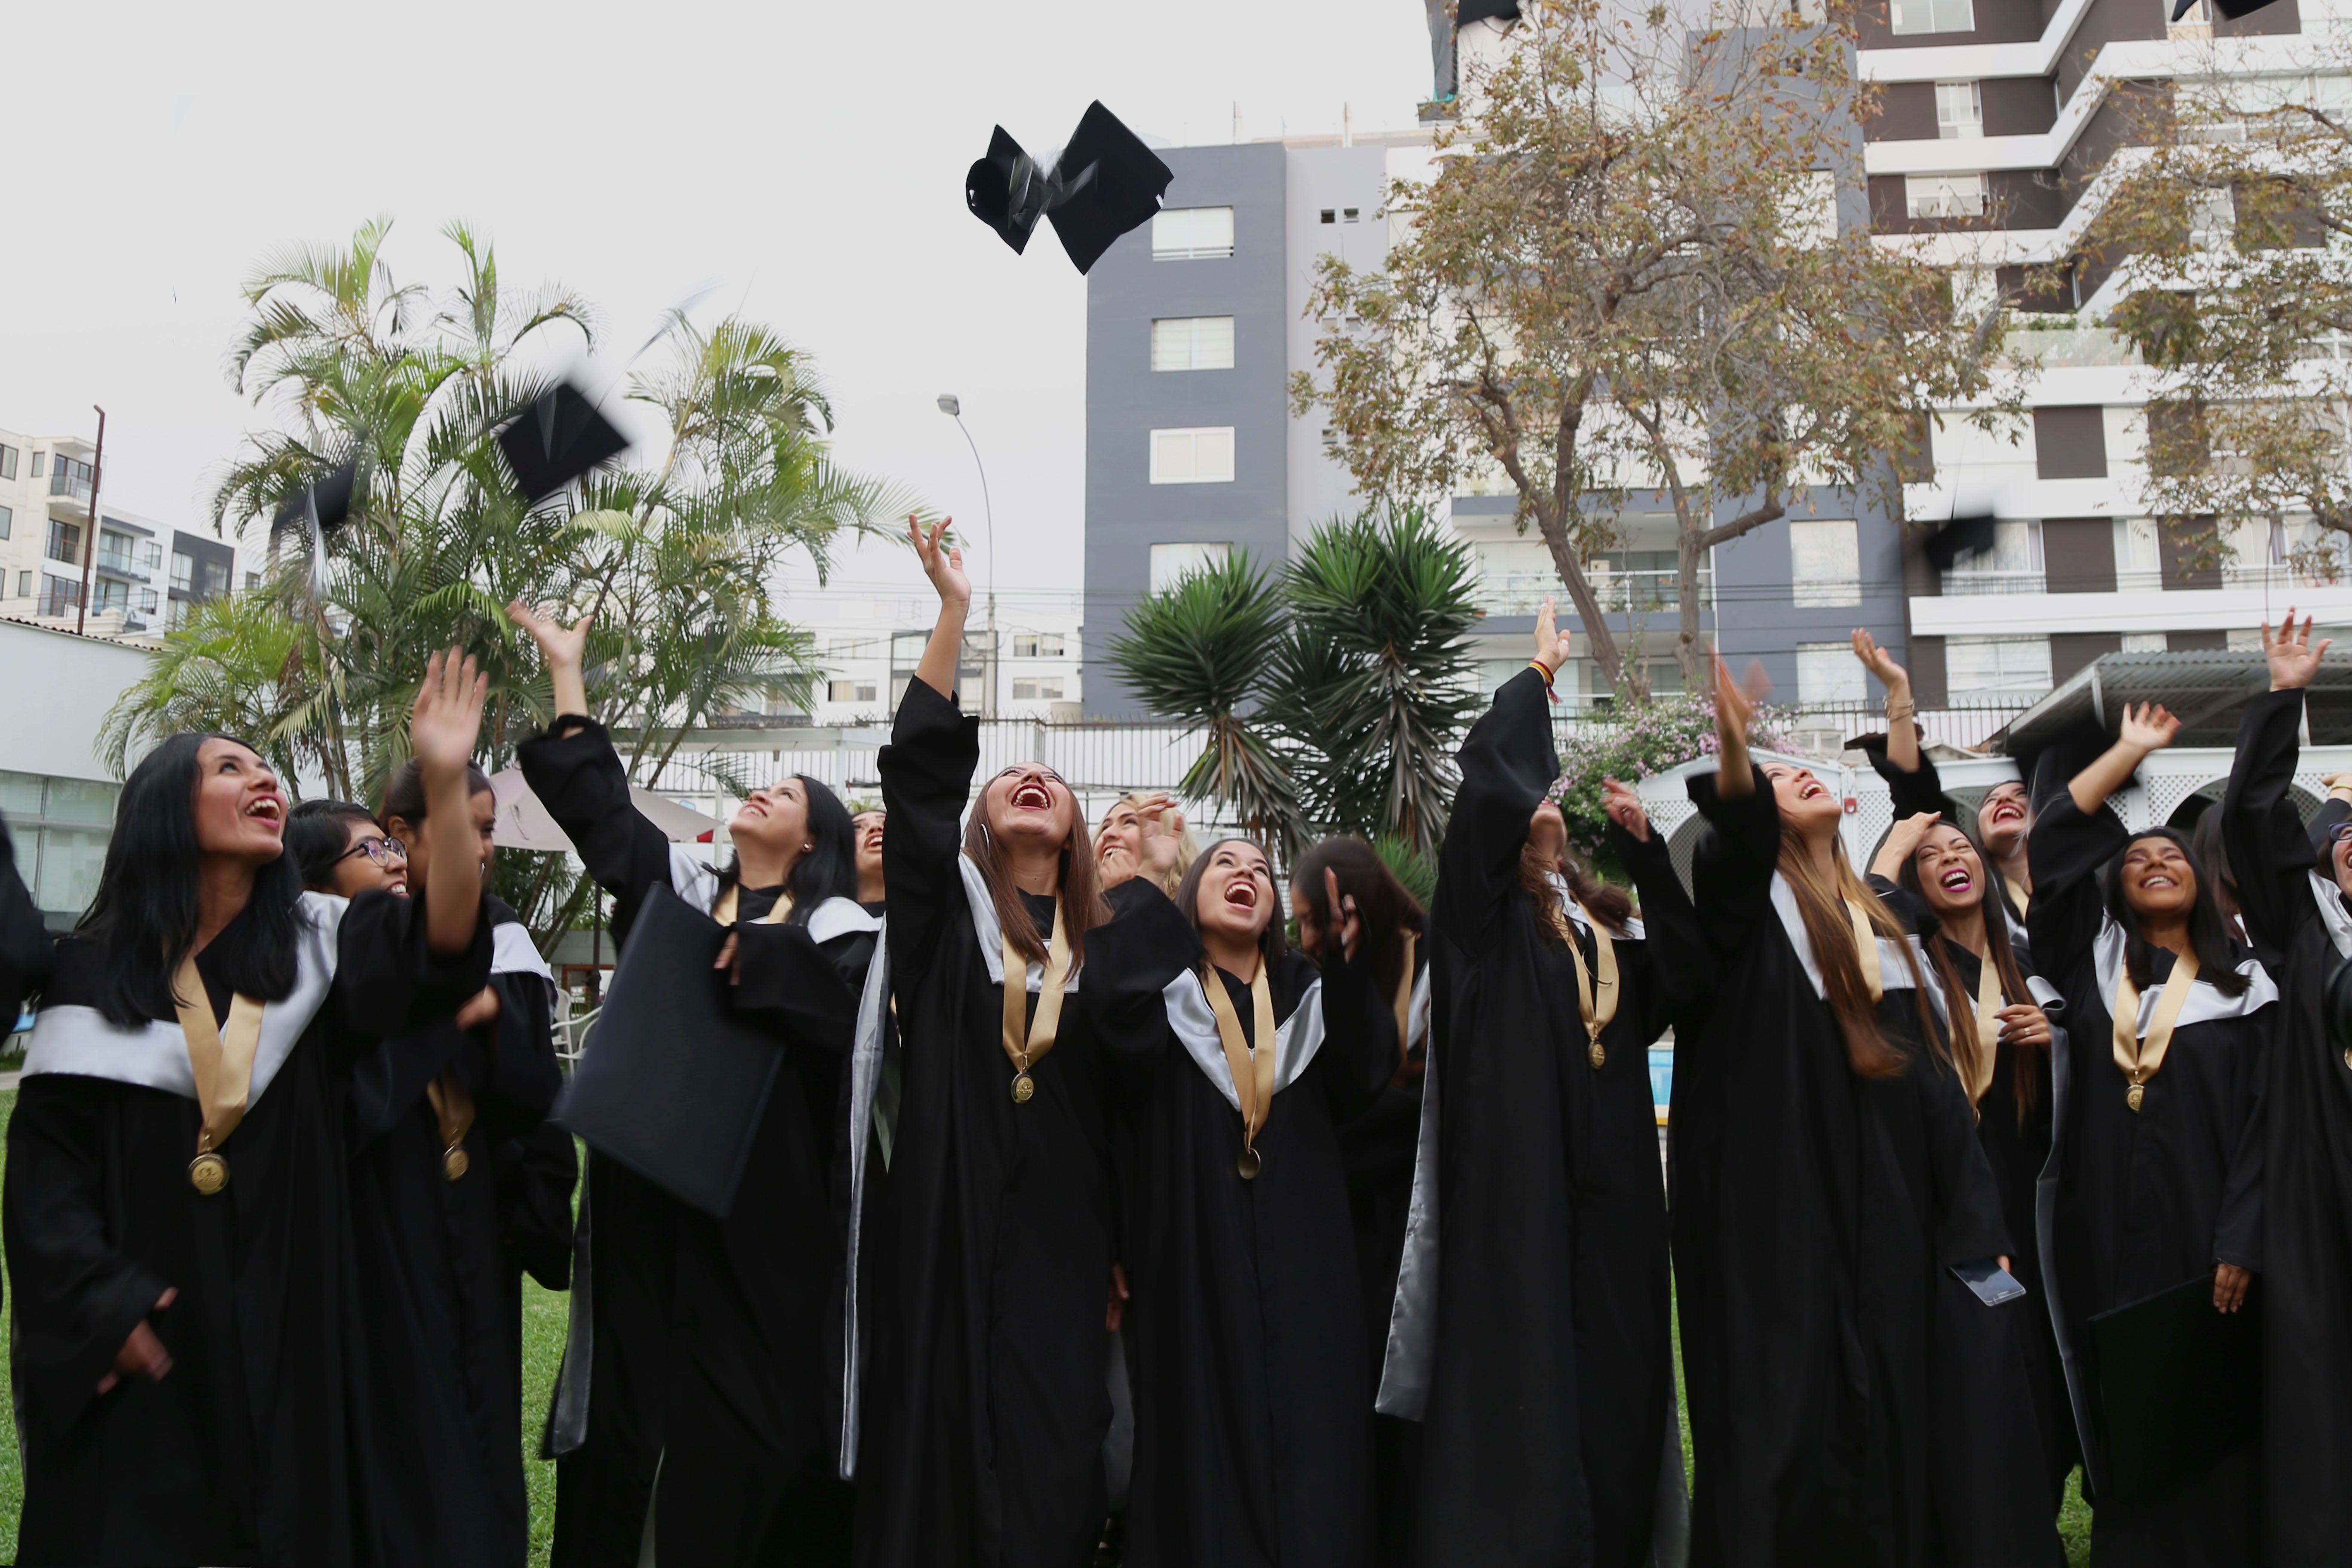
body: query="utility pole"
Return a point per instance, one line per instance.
(89, 539)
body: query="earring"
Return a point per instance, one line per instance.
(808, 848)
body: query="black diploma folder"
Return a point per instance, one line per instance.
(673, 1083)
(2180, 1386)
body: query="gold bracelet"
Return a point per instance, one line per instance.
(1898, 711)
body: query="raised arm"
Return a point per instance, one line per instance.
(1731, 873)
(2260, 827)
(442, 729)
(927, 772)
(1672, 944)
(944, 653)
(2075, 835)
(1902, 727)
(1129, 961)
(1360, 1051)
(1507, 762)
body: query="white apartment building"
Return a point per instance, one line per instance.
(144, 573)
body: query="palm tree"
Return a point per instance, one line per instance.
(1196, 653)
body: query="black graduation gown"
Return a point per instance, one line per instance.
(1851, 1401)
(2306, 1237)
(25, 943)
(712, 1366)
(1245, 1336)
(1377, 1149)
(440, 1269)
(2017, 1146)
(2146, 1200)
(1552, 1377)
(986, 1259)
(253, 1448)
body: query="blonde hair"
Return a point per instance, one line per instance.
(1188, 848)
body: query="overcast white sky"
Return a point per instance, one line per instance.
(804, 163)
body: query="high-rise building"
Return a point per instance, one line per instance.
(143, 572)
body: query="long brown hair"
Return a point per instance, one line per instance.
(1609, 905)
(1960, 1002)
(1822, 907)
(1082, 905)
(1388, 907)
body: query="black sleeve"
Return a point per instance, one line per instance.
(1921, 789)
(514, 1057)
(1506, 760)
(2065, 850)
(75, 1296)
(580, 779)
(1129, 961)
(25, 944)
(2261, 830)
(1731, 872)
(1678, 981)
(2332, 814)
(1359, 1036)
(536, 1173)
(927, 772)
(1912, 911)
(800, 986)
(389, 981)
(2237, 1225)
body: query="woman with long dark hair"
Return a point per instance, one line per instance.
(458, 1185)
(1850, 1399)
(1938, 881)
(696, 1417)
(2159, 1139)
(189, 1338)
(1529, 1333)
(340, 848)
(1234, 1061)
(987, 1260)
(1378, 1147)
(2294, 904)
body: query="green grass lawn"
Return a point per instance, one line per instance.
(545, 1317)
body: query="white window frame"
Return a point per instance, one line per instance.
(2021, 666)
(1911, 18)
(1825, 561)
(1175, 560)
(1195, 443)
(1191, 343)
(1191, 233)
(1959, 111)
(1928, 197)
(1827, 673)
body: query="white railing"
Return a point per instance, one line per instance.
(1628, 593)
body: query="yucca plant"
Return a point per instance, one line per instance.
(1196, 653)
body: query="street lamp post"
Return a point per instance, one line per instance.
(89, 539)
(953, 409)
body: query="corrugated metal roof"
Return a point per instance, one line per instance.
(2207, 689)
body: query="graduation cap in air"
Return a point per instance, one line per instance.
(1471, 11)
(2231, 9)
(556, 440)
(1105, 182)
(321, 506)
(1961, 536)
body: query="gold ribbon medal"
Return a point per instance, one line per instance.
(1253, 1070)
(453, 1108)
(2140, 1062)
(1027, 1041)
(1404, 1006)
(221, 1061)
(1988, 1005)
(1596, 1017)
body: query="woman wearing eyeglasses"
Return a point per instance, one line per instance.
(2292, 890)
(342, 849)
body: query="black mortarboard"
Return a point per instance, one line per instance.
(555, 440)
(328, 498)
(2231, 9)
(674, 1081)
(1962, 536)
(2180, 1386)
(1105, 182)
(1471, 11)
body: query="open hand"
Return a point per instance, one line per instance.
(563, 647)
(1351, 925)
(1162, 828)
(942, 562)
(2294, 659)
(1552, 645)
(447, 717)
(1879, 662)
(2150, 727)
(143, 1353)
(1623, 808)
(2023, 1023)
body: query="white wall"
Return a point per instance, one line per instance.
(54, 691)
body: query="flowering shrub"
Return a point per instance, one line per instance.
(1631, 743)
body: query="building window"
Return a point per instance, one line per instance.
(1042, 690)
(1191, 233)
(1198, 457)
(1171, 564)
(110, 595)
(1329, 217)
(23, 585)
(37, 465)
(1193, 342)
(1929, 197)
(2011, 564)
(851, 692)
(2144, 642)
(114, 551)
(1825, 561)
(1997, 666)
(1348, 215)
(1037, 645)
(1959, 111)
(60, 595)
(65, 542)
(7, 521)
(184, 571)
(1828, 672)
(147, 601)
(1911, 17)
(7, 462)
(69, 477)
(2139, 555)
(215, 579)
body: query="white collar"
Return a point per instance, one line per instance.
(990, 934)
(1894, 973)
(2204, 1002)
(839, 916)
(82, 1042)
(2332, 914)
(514, 952)
(1630, 931)
(1297, 1039)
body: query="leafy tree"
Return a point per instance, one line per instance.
(1626, 275)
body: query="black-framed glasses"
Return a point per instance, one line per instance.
(2339, 833)
(380, 850)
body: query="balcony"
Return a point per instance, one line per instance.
(122, 565)
(1620, 593)
(59, 599)
(2070, 347)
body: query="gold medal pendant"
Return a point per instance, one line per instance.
(1247, 1164)
(2131, 1097)
(454, 1164)
(1023, 1086)
(2347, 1055)
(1598, 1055)
(208, 1174)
